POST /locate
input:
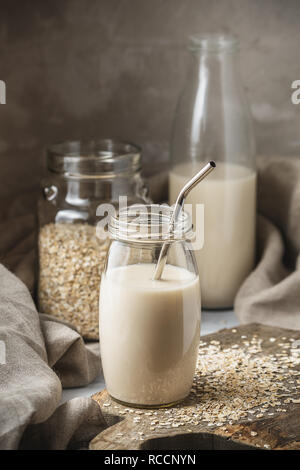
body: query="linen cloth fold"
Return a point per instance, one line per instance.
(30, 391)
(271, 293)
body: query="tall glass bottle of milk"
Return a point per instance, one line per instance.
(213, 122)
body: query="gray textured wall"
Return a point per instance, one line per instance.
(84, 68)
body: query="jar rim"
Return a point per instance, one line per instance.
(213, 42)
(93, 158)
(148, 223)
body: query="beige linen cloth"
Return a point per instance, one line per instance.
(271, 294)
(38, 355)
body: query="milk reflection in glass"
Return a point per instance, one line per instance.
(149, 333)
(229, 198)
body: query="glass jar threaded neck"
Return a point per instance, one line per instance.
(95, 159)
(149, 224)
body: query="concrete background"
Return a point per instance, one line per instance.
(92, 68)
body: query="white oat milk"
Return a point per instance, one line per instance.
(149, 333)
(229, 198)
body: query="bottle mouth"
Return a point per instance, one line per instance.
(213, 42)
(100, 158)
(149, 223)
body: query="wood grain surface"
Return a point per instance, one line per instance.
(279, 431)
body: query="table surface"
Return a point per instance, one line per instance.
(211, 322)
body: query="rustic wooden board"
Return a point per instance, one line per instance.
(281, 431)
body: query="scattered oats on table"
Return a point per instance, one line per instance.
(232, 384)
(71, 260)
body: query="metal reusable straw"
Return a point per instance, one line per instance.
(177, 209)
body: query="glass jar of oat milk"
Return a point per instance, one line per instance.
(149, 329)
(213, 122)
(82, 176)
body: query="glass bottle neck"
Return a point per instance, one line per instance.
(214, 60)
(212, 120)
(216, 69)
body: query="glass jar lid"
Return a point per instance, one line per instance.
(93, 159)
(149, 223)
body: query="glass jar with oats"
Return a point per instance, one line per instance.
(86, 183)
